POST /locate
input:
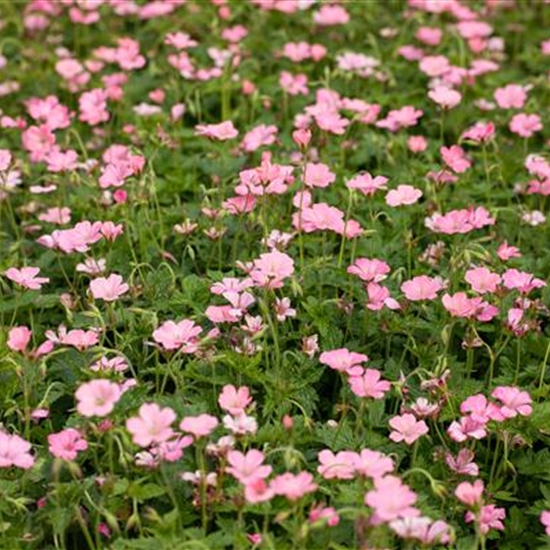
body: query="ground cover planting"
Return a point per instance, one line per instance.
(273, 274)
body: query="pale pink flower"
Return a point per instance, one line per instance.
(318, 175)
(367, 184)
(66, 444)
(343, 360)
(470, 493)
(247, 467)
(521, 280)
(373, 464)
(369, 384)
(26, 277)
(259, 136)
(403, 195)
(234, 400)
(455, 158)
(97, 398)
(93, 107)
(328, 515)
(240, 424)
(336, 466)
(293, 486)
(482, 280)
(434, 65)
(14, 451)
(271, 269)
(417, 144)
(369, 270)
(422, 288)
(489, 517)
(391, 499)
(152, 425)
(512, 96)
(329, 15)
(19, 338)
(379, 297)
(463, 463)
(545, 516)
(467, 428)
(294, 84)
(258, 491)
(199, 426)
(525, 125)
(184, 334)
(514, 401)
(108, 289)
(407, 428)
(480, 132)
(445, 97)
(222, 131)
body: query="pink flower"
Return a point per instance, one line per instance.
(271, 269)
(294, 84)
(506, 252)
(337, 466)
(373, 464)
(521, 280)
(468, 427)
(152, 425)
(470, 493)
(422, 288)
(66, 444)
(369, 270)
(434, 65)
(184, 335)
(26, 277)
(379, 297)
(93, 107)
(512, 96)
(108, 289)
(318, 175)
(402, 118)
(525, 125)
(391, 499)
(258, 491)
(247, 468)
(417, 144)
(463, 463)
(14, 451)
(293, 486)
(407, 428)
(369, 384)
(343, 360)
(327, 514)
(199, 426)
(234, 400)
(445, 97)
(222, 131)
(367, 184)
(545, 520)
(19, 338)
(331, 15)
(455, 158)
(482, 280)
(259, 136)
(489, 517)
(403, 195)
(97, 398)
(480, 132)
(514, 401)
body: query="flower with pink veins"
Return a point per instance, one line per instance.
(234, 400)
(19, 338)
(373, 464)
(97, 398)
(271, 269)
(66, 444)
(171, 335)
(403, 195)
(318, 175)
(482, 280)
(199, 426)
(369, 270)
(391, 499)
(152, 425)
(247, 467)
(446, 98)
(108, 288)
(26, 277)
(344, 360)
(422, 288)
(222, 131)
(407, 428)
(470, 494)
(293, 486)
(14, 451)
(369, 384)
(514, 401)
